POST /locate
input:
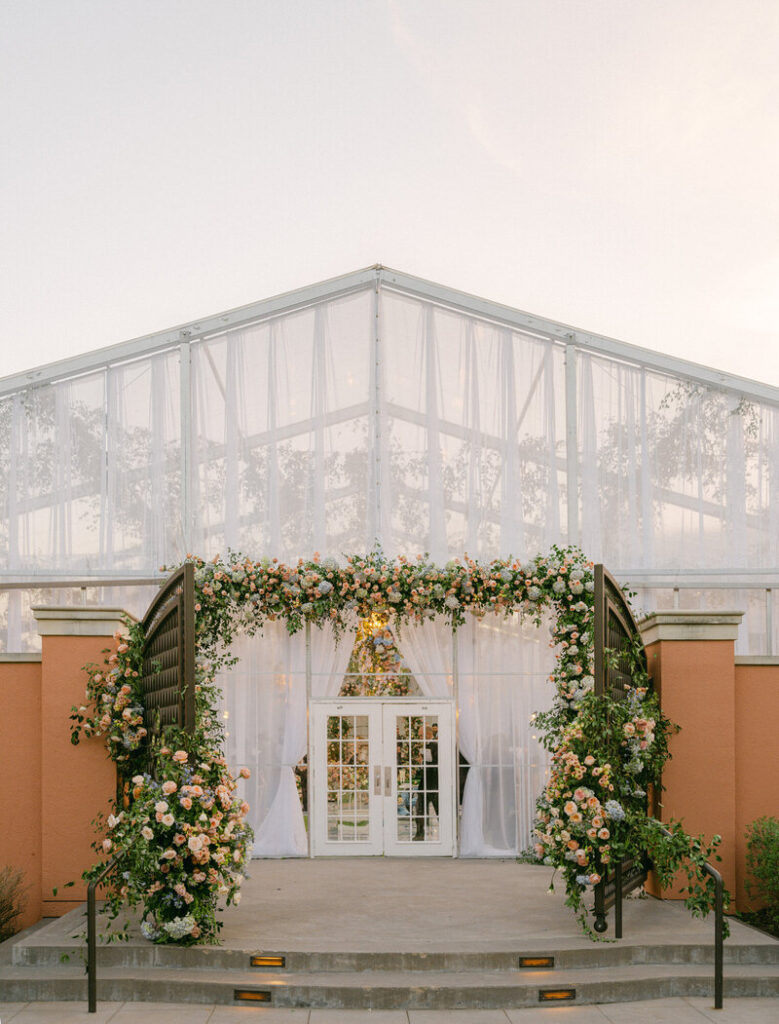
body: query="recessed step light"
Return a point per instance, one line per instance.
(260, 960)
(251, 995)
(536, 962)
(556, 995)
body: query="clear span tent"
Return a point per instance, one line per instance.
(380, 407)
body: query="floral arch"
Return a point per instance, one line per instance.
(606, 755)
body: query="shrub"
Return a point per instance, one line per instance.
(12, 901)
(763, 868)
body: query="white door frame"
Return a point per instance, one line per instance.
(382, 838)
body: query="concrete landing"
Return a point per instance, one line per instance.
(383, 905)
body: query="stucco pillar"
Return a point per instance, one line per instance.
(691, 660)
(76, 782)
(20, 770)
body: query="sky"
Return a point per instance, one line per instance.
(610, 164)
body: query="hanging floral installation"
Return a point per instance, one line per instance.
(183, 831)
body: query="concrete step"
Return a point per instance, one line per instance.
(29, 952)
(386, 989)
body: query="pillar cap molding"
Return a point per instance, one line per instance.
(56, 620)
(690, 624)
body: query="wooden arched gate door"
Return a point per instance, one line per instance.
(616, 633)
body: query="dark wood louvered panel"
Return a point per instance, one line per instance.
(169, 654)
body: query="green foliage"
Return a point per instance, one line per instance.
(12, 901)
(680, 852)
(763, 870)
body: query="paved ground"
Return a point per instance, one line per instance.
(656, 1011)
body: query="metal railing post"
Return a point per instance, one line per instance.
(618, 900)
(719, 938)
(92, 929)
(91, 947)
(719, 922)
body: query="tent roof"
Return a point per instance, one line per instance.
(382, 277)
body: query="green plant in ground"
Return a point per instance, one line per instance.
(12, 901)
(763, 869)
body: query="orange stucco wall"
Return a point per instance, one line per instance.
(20, 768)
(78, 782)
(757, 756)
(696, 681)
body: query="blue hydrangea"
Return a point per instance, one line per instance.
(180, 926)
(614, 810)
(325, 587)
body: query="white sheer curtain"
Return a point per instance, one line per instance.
(503, 678)
(330, 658)
(427, 649)
(265, 700)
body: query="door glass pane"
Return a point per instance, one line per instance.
(348, 756)
(416, 776)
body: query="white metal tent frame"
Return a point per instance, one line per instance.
(570, 342)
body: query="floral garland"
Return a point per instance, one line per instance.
(605, 754)
(180, 829)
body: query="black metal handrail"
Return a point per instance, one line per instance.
(719, 922)
(92, 929)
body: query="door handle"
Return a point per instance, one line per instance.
(377, 780)
(388, 781)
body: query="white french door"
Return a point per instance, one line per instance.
(382, 780)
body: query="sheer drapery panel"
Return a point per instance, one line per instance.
(503, 677)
